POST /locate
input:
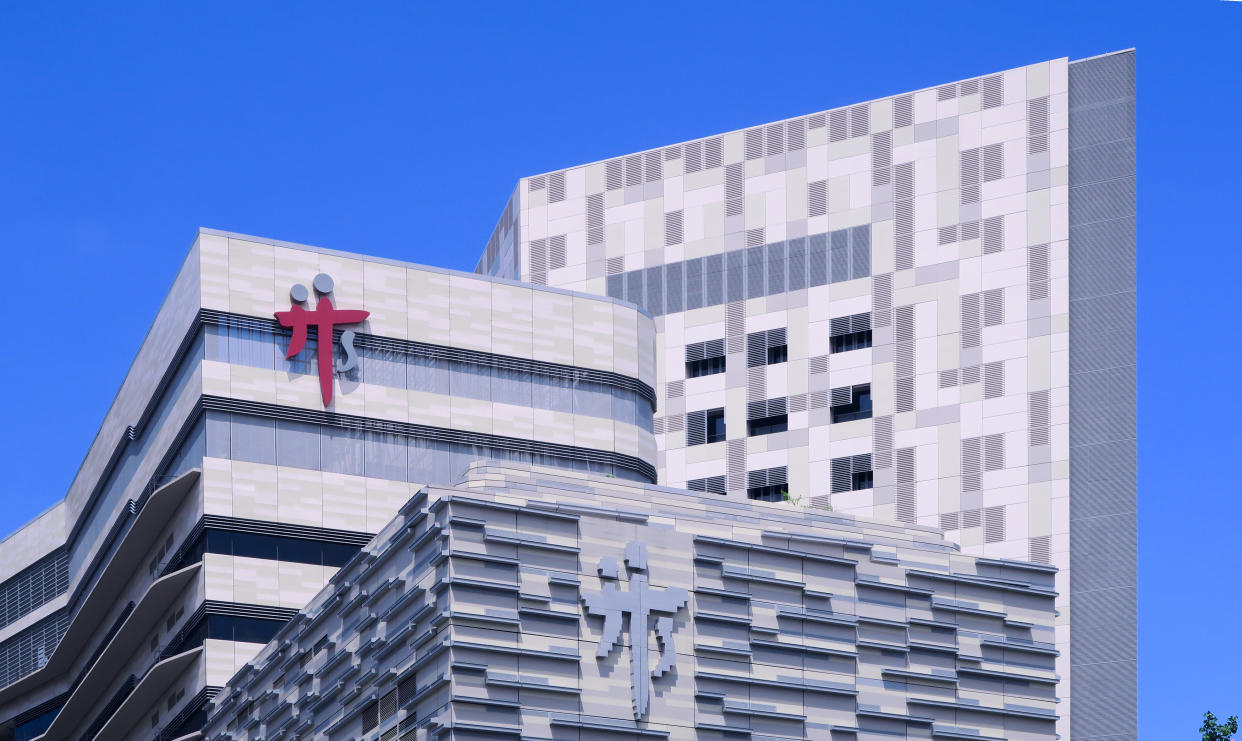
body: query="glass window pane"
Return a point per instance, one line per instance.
(253, 439)
(297, 445)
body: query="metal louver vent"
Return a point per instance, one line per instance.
(948, 378)
(672, 153)
(735, 181)
(709, 485)
(711, 153)
(818, 364)
(672, 227)
(993, 380)
(994, 525)
(795, 135)
(969, 175)
(817, 198)
(818, 400)
(882, 436)
(993, 162)
(754, 237)
(767, 408)
(388, 705)
(950, 521)
(946, 92)
(767, 477)
(536, 183)
(993, 234)
(735, 323)
(903, 392)
(595, 211)
(971, 333)
(968, 87)
(538, 255)
(634, 169)
(946, 235)
(1039, 549)
(657, 425)
(905, 509)
(881, 158)
(1039, 414)
(972, 518)
(797, 403)
(735, 458)
(696, 427)
(972, 464)
(556, 252)
(968, 230)
(993, 452)
(882, 300)
(843, 469)
(970, 374)
(860, 120)
(694, 157)
(1037, 275)
(758, 344)
(818, 121)
(754, 144)
(775, 139)
(556, 187)
(613, 177)
(615, 265)
(654, 166)
(1037, 125)
(994, 307)
(903, 111)
(992, 92)
(838, 125)
(674, 423)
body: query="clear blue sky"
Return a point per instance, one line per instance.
(400, 130)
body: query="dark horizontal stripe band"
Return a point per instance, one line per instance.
(444, 352)
(286, 530)
(243, 609)
(427, 432)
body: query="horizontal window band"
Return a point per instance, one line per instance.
(173, 729)
(40, 709)
(243, 609)
(286, 530)
(427, 432)
(443, 352)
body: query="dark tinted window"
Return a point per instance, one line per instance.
(767, 425)
(715, 426)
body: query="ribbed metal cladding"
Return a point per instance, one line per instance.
(1103, 465)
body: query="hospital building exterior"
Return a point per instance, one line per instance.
(821, 429)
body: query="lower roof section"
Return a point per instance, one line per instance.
(531, 602)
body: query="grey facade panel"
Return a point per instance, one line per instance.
(1103, 461)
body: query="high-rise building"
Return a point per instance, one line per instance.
(247, 457)
(532, 603)
(919, 308)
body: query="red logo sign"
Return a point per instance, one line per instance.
(325, 317)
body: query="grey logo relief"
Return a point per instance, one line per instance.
(640, 603)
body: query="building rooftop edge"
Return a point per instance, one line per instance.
(418, 266)
(804, 115)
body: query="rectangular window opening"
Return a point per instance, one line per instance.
(850, 341)
(705, 367)
(770, 493)
(859, 406)
(767, 425)
(715, 426)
